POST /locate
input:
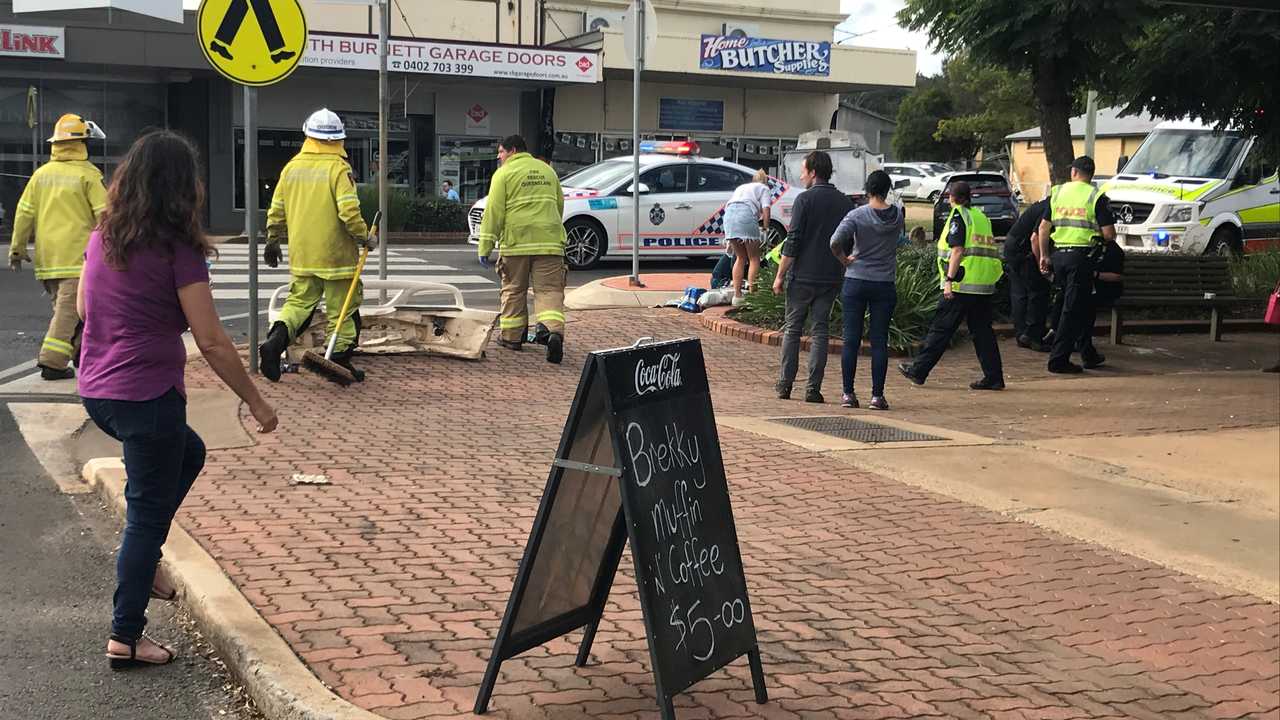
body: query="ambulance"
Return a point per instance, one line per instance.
(682, 199)
(1190, 189)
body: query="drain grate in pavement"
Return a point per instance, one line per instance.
(857, 430)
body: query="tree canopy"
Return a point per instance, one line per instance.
(1222, 66)
(1063, 45)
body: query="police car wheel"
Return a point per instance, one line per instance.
(584, 244)
(774, 235)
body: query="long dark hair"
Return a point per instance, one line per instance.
(155, 200)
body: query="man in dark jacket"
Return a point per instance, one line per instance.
(812, 274)
(1028, 287)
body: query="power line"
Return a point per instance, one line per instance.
(403, 17)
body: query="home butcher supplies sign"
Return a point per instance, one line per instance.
(779, 57)
(639, 461)
(252, 42)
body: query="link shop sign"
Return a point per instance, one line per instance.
(762, 55)
(357, 52)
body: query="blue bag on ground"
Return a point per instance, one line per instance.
(689, 303)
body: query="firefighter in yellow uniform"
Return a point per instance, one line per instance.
(316, 209)
(59, 208)
(523, 220)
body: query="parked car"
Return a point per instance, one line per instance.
(924, 180)
(990, 193)
(682, 199)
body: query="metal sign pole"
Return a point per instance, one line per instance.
(384, 92)
(635, 145)
(251, 214)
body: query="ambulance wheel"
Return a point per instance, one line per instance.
(584, 243)
(1225, 242)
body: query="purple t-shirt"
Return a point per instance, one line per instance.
(132, 345)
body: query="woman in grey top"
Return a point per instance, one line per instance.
(866, 242)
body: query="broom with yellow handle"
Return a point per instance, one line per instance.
(325, 365)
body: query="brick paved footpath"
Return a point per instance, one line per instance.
(872, 599)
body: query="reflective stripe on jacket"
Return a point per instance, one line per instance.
(316, 209)
(524, 212)
(981, 260)
(60, 206)
(1073, 214)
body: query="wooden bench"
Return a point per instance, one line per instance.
(1175, 281)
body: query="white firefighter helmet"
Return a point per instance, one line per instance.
(324, 124)
(74, 127)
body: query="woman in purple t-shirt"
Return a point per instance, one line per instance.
(144, 283)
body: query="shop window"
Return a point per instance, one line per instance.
(275, 148)
(612, 146)
(470, 164)
(709, 178)
(574, 151)
(760, 153)
(720, 148)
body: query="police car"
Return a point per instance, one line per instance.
(682, 198)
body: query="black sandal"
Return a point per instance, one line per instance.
(173, 595)
(124, 662)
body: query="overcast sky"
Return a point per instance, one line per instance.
(877, 18)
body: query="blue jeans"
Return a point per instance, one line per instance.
(162, 457)
(856, 297)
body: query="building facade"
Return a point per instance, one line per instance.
(743, 78)
(1115, 137)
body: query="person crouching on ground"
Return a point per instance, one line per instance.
(144, 283)
(744, 215)
(811, 274)
(866, 244)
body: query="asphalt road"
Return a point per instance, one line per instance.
(57, 559)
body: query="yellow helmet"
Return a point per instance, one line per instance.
(74, 127)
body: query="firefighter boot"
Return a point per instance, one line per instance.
(541, 334)
(344, 359)
(270, 351)
(555, 348)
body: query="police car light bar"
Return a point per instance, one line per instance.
(670, 147)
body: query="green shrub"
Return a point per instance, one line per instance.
(1255, 275)
(433, 214)
(918, 295)
(399, 206)
(407, 212)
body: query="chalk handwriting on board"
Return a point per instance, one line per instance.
(663, 376)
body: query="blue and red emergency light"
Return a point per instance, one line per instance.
(670, 147)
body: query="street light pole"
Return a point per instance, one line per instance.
(384, 24)
(635, 144)
(251, 214)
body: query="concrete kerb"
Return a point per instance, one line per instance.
(595, 295)
(279, 683)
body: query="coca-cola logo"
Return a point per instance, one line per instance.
(664, 375)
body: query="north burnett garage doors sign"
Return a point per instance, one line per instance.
(430, 57)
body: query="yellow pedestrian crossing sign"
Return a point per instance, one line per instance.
(252, 42)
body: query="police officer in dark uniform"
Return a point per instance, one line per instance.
(1079, 214)
(1028, 287)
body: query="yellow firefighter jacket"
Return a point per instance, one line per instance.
(523, 213)
(60, 206)
(316, 209)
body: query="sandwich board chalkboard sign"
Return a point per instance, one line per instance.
(639, 460)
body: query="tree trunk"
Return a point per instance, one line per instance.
(1054, 109)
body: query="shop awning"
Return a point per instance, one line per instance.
(170, 10)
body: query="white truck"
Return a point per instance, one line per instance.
(1191, 189)
(851, 161)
